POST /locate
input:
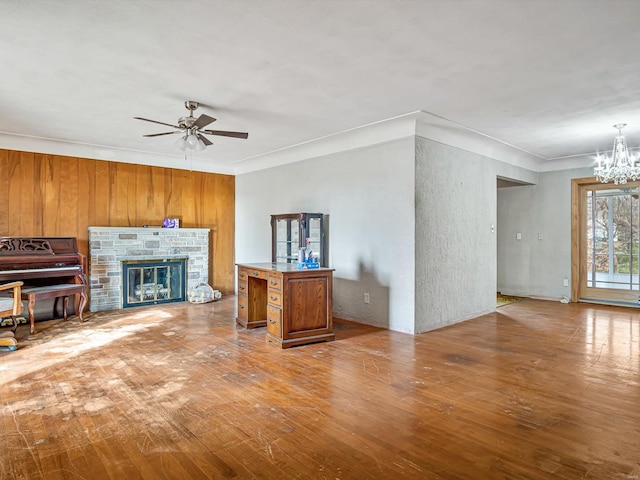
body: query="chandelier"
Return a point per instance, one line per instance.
(621, 166)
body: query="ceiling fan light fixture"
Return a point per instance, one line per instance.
(192, 140)
(200, 146)
(181, 143)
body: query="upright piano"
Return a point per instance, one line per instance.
(42, 261)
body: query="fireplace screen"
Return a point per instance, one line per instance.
(153, 282)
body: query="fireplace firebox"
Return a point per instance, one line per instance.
(152, 282)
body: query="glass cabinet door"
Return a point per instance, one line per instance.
(293, 231)
(314, 237)
(287, 240)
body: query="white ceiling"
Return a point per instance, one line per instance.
(548, 77)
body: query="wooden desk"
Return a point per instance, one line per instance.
(295, 305)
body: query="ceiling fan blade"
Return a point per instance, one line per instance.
(224, 133)
(203, 120)
(155, 121)
(205, 140)
(158, 134)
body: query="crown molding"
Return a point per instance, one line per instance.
(444, 131)
(417, 123)
(568, 163)
(383, 131)
(50, 146)
(420, 123)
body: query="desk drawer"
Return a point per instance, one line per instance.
(274, 321)
(242, 287)
(275, 282)
(257, 273)
(242, 306)
(242, 274)
(274, 298)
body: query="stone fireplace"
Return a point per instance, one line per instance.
(111, 248)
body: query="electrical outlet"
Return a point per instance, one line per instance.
(367, 298)
(565, 282)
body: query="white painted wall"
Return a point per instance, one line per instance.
(410, 223)
(535, 267)
(456, 250)
(368, 194)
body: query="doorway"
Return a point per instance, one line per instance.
(605, 242)
(512, 256)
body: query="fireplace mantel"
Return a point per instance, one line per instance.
(110, 246)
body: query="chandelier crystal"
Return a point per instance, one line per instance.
(621, 166)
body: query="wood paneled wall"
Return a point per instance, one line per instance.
(52, 195)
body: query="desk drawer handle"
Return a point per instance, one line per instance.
(256, 273)
(273, 298)
(272, 321)
(273, 282)
(241, 306)
(241, 288)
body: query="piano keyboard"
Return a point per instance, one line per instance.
(69, 268)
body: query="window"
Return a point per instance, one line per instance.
(612, 238)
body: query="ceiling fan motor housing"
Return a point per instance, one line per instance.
(186, 122)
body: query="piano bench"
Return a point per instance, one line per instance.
(54, 291)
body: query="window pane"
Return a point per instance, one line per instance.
(612, 238)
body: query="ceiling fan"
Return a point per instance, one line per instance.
(192, 129)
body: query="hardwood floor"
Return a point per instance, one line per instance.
(536, 390)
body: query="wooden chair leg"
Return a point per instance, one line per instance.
(65, 301)
(15, 323)
(31, 309)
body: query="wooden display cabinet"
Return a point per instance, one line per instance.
(289, 233)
